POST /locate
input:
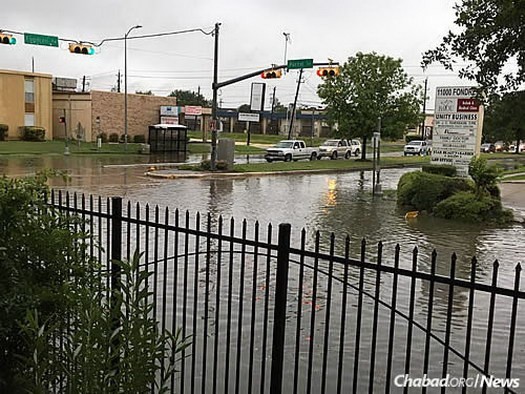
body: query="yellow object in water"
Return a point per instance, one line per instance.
(411, 214)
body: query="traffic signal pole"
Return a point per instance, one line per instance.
(217, 85)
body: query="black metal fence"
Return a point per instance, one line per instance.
(266, 315)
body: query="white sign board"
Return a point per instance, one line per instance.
(257, 96)
(169, 120)
(458, 122)
(248, 117)
(168, 110)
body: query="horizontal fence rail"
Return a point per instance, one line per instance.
(268, 316)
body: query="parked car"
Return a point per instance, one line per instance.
(288, 150)
(356, 147)
(488, 148)
(512, 148)
(335, 149)
(416, 147)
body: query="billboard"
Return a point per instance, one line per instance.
(458, 123)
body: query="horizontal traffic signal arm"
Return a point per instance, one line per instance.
(259, 72)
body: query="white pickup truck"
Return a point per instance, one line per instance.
(289, 150)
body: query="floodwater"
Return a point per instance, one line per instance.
(339, 203)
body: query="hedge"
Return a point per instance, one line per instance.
(139, 139)
(440, 169)
(33, 133)
(3, 131)
(423, 191)
(468, 207)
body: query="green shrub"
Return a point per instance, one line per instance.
(423, 191)
(221, 165)
(103, 137)
(484, 176)
(113, 137)
(90, 341)
(33, 133)
(139, 139)
(440, 169)
(3, 131)
(39, 250)
(469, 207)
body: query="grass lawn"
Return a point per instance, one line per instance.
(322, 165)
(518, 177)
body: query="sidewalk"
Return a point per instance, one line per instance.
(513, 196)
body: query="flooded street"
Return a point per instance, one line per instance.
(340, 203)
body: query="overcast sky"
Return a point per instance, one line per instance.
(251, 37)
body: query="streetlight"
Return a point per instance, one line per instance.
(286, 39)
(126, 85)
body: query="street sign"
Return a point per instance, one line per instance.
(300, 63)
(248, 117)
(37, 39)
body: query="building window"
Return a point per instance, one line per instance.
(29, 90)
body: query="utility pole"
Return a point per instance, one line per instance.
(84, 84)
(213, 159)
(118, 81)
(295, 104)
(424, 110)
(273, 109)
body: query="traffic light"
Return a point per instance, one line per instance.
(328, 71)
(82, 49)
(269, 74)
(7, 39)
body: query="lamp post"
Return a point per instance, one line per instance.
(126, 85)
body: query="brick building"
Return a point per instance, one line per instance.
(97, 111)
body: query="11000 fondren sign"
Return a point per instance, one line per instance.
(458, 123)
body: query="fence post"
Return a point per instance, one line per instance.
(279, 320)
(116, 255)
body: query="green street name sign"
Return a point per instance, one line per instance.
(300, 63)
(37, 39)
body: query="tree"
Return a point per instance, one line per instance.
(368, 87)
(187, 97)
(505, 118)
(490, 37)
(145, 92)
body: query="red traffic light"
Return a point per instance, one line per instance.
(269, 74)
(328, 71)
